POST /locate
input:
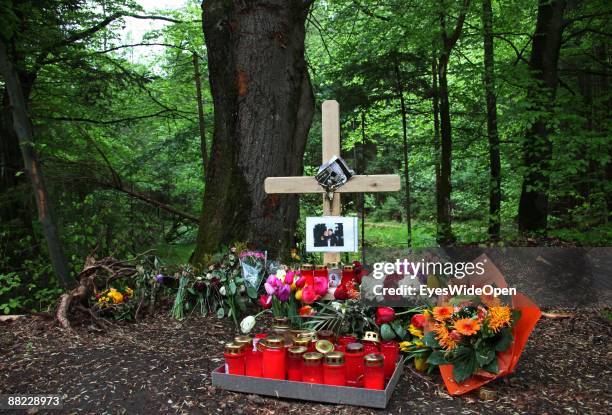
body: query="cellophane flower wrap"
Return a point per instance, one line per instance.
(475, 341)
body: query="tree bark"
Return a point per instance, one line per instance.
(445, 233)
(533, 205)
(263, 108)
(492, 133)
(23, 129)
(400, 91)
(201, 124)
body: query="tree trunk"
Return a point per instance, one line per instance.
(533, 205)
(492, 134)
(263, 108)
(202, 126)
(445, 233)
(400, 91)
(435, 99)
(23, 130)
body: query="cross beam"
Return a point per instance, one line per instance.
(331, 147)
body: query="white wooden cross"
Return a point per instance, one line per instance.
(331, 147)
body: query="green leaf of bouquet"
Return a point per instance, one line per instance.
(399, 329)
(232, 287)
(484, 355)
(437, 358)
(387, 332)
(220, 312)
(492, 367)
(251, 292)
(464, 365)
(430, 340)
(505, 340)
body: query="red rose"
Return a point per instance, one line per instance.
(265, 301)
(418, 321)
(340, 293)
(306, 311)
(384, 315)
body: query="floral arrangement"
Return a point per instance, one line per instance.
(113, 296)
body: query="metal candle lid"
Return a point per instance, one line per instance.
(243, 340)
(307, 267)
(296, 351)
(313, 357)
(332, 265)
(334, 358)
(301, 341)
(307, 334)
(374, 359)
(354, 348)
(281, 321)
(233, 348)
(321, 267)
(371, 336)
(275, 342)
(347, 267)
(324, 346)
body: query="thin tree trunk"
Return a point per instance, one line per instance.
(263, 108)
(533, 205)
(435, 99)
(492, 134)
(400, 91)
(23, 130)
(201, 124)
(445, 233)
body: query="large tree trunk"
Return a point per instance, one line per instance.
(492, 134)
(263, 108)
(533, 205)
(23, 129)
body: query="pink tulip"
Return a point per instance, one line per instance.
(309, 295)
(289, 277)
(321, 284)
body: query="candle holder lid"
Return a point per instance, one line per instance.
(334, 358)
(307, 267)
(348, 267)
(319, 266)
(332, 265)
(371, 336)
(243, 340)
(324, 346)
(374, 359)
(274, 342)
(354, 347)
(313, 357)
(297, 351)
(233, 348)
(301, 341)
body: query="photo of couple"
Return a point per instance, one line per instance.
(331, 234)
(328, 236)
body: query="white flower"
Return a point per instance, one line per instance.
(222, 290)
(209, 276)
(247, 324)
(280, 274)
(242, 289)
(336, 305)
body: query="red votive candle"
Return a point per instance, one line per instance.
(234, 359)
(294, 366)
(307, 271)
(326, 335)
(273, 360)
(348, 274)
(370, 342)
(311, 368)
(374, 371)
(354, 364)
(346, 339)
(321, 271)
(390, 350)
(252, 358)
(334, 369)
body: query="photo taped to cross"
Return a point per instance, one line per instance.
(332, 234)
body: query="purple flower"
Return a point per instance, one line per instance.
(284, 292)
(159, 278)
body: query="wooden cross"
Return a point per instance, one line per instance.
(331, 147)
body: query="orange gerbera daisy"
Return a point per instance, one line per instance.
(467, 326)
(442, 313)
(498, 317)
(443, 336)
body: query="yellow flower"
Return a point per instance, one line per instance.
(467, 326)
(129, 292)
(498, 317)
(403, 345)
(415, 332)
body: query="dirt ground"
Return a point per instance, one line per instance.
(161, 366)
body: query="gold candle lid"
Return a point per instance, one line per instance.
(354, 347)
(297, 332)
(275, 342)
(371, 336)
(324, 346)
(301, 341)
(374, 359)
(334, 358)
(332, 265)
(281, 321)
(313, 357)
(307, 334)
(347, 267)
(325, 333)
(297, 351)
(243, 340)
(307, 267)
(233, 348)
(321, 267)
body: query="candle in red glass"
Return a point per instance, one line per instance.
(370, 342)
(234, 359)
(348, 274)
(273, 362)
(294, 366)
(334, 369)
(321, 271)
(252, 358)
(312, 371)
(374, 371)
(354, 364)
(326, 335)
(307, 271)
(346, 339)
(389, 349)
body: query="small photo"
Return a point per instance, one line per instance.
(331, 234)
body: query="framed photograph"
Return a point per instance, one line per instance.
(332, 234)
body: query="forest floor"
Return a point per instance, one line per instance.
(163, 366)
